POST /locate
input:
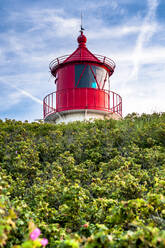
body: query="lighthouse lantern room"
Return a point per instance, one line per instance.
(82, 87)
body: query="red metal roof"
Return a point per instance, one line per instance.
(82, 54)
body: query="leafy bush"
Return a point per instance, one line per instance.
(84, 184)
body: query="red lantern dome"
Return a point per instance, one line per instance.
(82, 87)
(82, 39)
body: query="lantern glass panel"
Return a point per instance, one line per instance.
(100, 74)
(84, 77)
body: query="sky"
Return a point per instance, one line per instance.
(34, 32)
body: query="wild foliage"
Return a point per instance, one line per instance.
(93, 184)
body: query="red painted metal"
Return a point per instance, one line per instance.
(103, 61)
(82, 98)
(70, 95)
(82, 54)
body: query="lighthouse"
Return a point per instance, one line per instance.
(83, 92)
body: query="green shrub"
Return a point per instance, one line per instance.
(84, 184)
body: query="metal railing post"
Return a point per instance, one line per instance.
(113, 103)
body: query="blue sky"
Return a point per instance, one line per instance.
(34, 32)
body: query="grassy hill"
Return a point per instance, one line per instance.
(98, 184)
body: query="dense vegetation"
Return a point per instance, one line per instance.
(97, 184)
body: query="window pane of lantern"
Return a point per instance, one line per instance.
(100, 75)
(84, 77)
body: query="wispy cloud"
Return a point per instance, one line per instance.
(27, 94)
(22, 93)
(121, 31)
(144, 36)
(39, 34)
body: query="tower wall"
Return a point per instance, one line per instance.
(80, 115)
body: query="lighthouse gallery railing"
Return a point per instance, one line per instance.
(60, 60)
(112, 101)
